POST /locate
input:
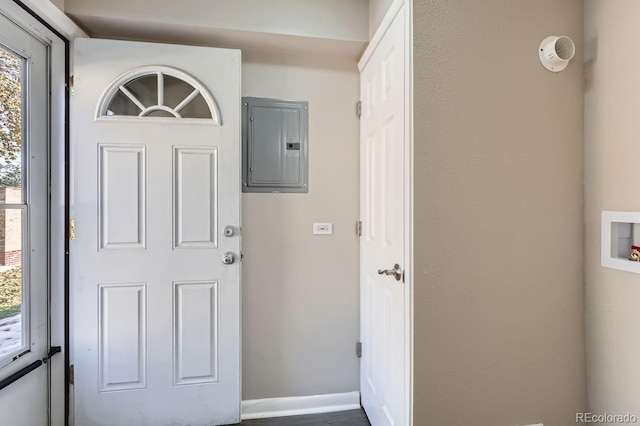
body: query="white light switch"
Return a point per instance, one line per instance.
(322, 228)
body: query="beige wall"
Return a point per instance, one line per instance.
(499, 333)
(59, 4)
(377, 10)
(300, 291)
(612, 126)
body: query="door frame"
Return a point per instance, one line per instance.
(24, 16)
(61, 30)
(394, 9)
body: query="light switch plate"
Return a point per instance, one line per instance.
(322, 228)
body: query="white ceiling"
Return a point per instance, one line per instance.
(324, 27)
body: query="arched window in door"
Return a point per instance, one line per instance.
(158, 92)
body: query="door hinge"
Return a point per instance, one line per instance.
(359, 349)
(71, 86)
(71, 375)
(72, 229)
(359, 228)
(359, 109)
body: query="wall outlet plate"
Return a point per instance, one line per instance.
(322, 228)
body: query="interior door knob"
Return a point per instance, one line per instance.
(396, 272)
(228, 258)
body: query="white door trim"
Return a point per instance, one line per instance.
(382, 30)
(46, 10)
(408, 190)
(57, 231)
(394, 9)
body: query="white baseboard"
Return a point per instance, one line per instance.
(298, 405)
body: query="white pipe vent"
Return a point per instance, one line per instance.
(556, 52)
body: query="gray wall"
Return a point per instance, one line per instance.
(612, 129)
(499, 321)
(300, 291)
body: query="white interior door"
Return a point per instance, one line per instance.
(383, 207)
(155, 311)
(24, 214)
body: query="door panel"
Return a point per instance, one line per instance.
(382, 246)
(156, 312)
(121, 191)
(122, 326)
(196, 338)
(195, 197)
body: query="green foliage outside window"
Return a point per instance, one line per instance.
(10, 119)
(10, 292)
(10, 164)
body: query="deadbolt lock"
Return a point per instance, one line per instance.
(229, 231)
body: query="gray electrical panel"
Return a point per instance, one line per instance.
(275, 145)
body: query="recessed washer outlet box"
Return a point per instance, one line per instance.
(620, 231)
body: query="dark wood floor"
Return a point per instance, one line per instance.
(342, 418)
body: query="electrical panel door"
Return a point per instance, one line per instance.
(275, 145)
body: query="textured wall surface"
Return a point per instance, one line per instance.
(300, 291)
(612, 129)
(499, 317)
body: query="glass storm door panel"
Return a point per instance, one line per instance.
(24, 166)
(14, 331)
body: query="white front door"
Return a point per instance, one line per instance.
(383, 205)
(24, 214)
(156, 179)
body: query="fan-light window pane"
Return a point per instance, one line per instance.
(175, 90)
(157, 94)
(145, 89)
(197, 108)
(122, 105)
